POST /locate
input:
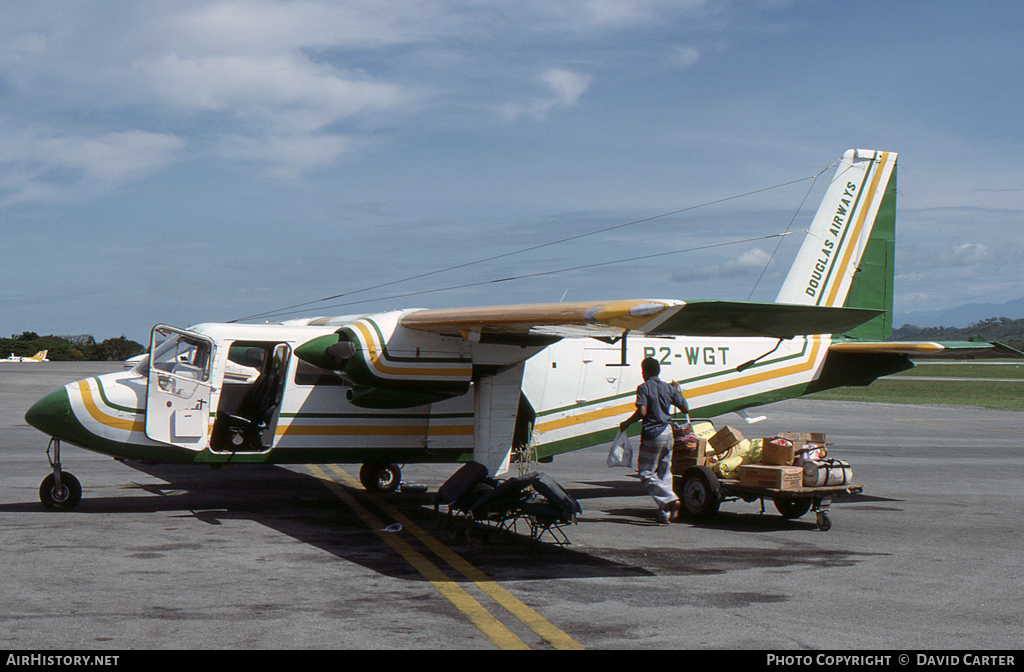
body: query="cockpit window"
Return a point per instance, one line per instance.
(182, 356)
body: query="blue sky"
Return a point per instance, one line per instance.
(184, 162)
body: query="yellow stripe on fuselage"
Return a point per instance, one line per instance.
(374, 430)
(690, 393)
(417, 372)
(99, 416)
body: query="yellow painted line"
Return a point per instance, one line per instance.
(462, 373)
(973, 429)
(872, 190)
(494, 629)
(555, 636)
(691, 393)
(99, 416)
(374, 430)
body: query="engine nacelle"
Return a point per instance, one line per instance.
(391, 366)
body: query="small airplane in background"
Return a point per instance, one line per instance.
(460, 384)
(38, 357)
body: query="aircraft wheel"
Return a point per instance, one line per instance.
(64, 499)
(700, 493)
(380, 477)
(792, 508)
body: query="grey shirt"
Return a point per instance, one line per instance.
(658, 397)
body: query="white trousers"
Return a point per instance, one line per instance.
(655, 465)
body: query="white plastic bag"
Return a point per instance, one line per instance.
(621, 452)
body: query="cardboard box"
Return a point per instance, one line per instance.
(724, 439)
(771, 476)
(776, 452)
(684, 459)
(703, 429)
(803, 441)
(804, 437)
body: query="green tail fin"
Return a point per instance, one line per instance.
(872, 285)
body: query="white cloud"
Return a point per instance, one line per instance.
(565, 89)
(686, 56)
(258, 79)
(289, 157)
(287, 91)
(748, 264)
(270, 26)
(968, 254)
(39, 164)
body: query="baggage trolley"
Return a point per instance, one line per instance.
(702, 492)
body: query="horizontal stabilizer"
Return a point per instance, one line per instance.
(980, 349)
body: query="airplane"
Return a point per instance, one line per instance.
(460, 384)
(38, 357)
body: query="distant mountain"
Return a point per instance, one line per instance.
(961, 316)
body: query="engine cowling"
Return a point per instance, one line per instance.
(391, 366)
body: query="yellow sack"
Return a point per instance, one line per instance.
(727, 467)
(754, 456)
(725, 463)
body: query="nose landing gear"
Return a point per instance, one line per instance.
(59, 491)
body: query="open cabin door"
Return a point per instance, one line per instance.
(179, 390)
(248, 411)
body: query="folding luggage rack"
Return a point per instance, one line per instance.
(536, 499)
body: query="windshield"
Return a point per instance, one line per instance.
(180, 355)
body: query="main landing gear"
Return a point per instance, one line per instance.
(59, 491)
(380, 476)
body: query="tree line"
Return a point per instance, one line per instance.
(1003, 329)
(78, 348)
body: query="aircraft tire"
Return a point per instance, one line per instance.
(699, 493)
(792, 508)
(380, 477)
(66, 499)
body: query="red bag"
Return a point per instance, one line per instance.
(684, 438)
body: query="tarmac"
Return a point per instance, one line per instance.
(169, 557)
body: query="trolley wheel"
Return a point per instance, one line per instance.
(792, 508)
(65, 498)
(380, 477)
(824, 521)
(700, 493)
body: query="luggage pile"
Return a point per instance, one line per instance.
(473, 498)
(782, 461)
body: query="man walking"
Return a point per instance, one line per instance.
(654, 401)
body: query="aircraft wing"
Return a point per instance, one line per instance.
(979, 349)
(652, 317)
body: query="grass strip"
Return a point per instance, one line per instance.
(893, 390)
(966, 370)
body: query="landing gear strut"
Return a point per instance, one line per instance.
(59, 491)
